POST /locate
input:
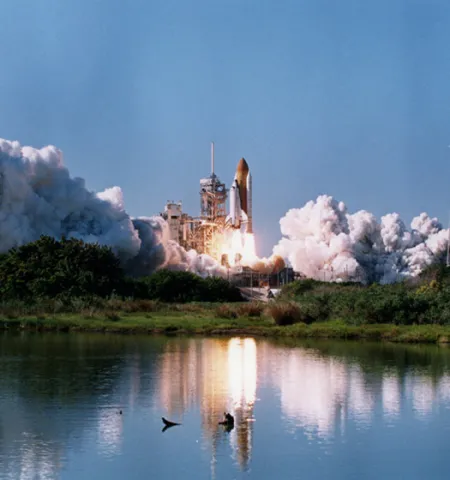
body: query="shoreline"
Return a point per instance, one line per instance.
(185, 325)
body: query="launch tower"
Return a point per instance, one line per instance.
(203, 233)
(213, 197)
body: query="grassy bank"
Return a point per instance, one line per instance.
(416, 311)
(207, 321)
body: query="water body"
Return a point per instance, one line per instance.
(306, 410)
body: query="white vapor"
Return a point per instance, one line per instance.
(323, 241)
(38, 197)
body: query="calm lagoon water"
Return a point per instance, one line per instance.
(304, 410)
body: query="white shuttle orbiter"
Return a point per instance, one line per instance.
(241, 198)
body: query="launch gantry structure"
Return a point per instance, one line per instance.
(209, 227)
(203, 233)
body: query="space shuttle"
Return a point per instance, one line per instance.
(240, 196)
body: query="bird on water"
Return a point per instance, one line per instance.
(228, 420)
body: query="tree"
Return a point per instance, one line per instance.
(48, 268)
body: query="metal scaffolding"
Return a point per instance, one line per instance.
(203, 233)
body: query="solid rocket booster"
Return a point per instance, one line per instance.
(241, 198)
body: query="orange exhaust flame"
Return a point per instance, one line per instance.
(240, 250)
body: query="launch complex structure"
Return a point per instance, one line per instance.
(210, 232)
(205, 233)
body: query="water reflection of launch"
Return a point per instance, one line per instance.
(242, 374)
(29, 447)
(221, 374)
(180, 370)
(421, 390)
(391, 395)
(318, 393)
(110, 429)
(312, 390)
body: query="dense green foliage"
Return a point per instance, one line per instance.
(70, 268)
(76, 277)
(425, 300)
(181, 287)
(48, 268)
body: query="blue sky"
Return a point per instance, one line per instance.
(350, 98)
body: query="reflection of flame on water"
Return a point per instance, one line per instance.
(230, 385)
(242, 378)
(223, 376)
(242, 371)
(213, 380)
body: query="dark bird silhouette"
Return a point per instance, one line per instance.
(168, 424)
(228, 422)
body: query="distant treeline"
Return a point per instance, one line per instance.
(424, 300)
(70, 268)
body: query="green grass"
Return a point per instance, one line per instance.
(177, 323)
(160, 322)
(380, 332)
(299, 318)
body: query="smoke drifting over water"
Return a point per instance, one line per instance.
(323, 241)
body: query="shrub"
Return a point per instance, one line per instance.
(88, 313)
(251, 309)
(215, 289)
(113, 316)
(288, 313)
(141, 305)
(181, 287)
(225, 311)
(299, 287)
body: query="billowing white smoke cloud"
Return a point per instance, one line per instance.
(323, 241)
(38, 197)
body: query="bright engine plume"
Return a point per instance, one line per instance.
(239, 241)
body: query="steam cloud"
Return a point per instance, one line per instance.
(38, 197)
(323, 241)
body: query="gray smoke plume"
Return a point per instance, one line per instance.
(323, 241)
(38, 197)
